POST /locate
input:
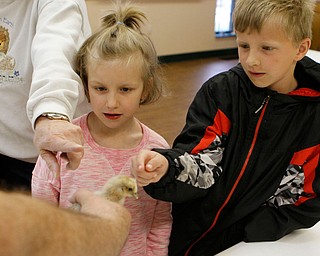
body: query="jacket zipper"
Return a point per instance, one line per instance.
(264, 102)
(262, 108)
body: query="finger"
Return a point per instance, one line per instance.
(155, 163)
(142, 164)
(51, 160)
(138, 164)
(144, 182)
(143, 157)
(145, 178)
(80, 196)
(65, 146)
(141, 173)
(73, 159)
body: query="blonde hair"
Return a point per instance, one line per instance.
(120, 36)
(294, 16)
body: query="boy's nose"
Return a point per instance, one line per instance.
(252, 59)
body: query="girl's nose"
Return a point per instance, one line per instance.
(111, 101)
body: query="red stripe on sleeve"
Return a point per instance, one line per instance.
(309, 160)
(221, 125)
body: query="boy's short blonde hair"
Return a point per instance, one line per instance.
(294, 16)
(120, 37)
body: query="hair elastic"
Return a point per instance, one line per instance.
(120, 23)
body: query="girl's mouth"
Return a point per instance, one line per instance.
(112, 116)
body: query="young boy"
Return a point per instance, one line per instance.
(246, 165)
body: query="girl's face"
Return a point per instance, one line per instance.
(269, 57)
(115, 89)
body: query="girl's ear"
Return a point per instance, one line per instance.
(303, 48)
(146, 90)
(143, 97)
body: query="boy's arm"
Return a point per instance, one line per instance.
(31, 227)
(270, 224)
(194, 160)
(295, 205)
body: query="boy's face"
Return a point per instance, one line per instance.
(115, 88)
(269, 58)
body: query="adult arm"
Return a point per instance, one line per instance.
(62, 26)
(32, 227)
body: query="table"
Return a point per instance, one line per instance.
(315, 55)
(298, 243)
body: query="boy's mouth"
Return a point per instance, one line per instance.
(256, 74)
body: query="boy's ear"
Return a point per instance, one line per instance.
(303, 48)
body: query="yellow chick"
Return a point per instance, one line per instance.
(116, 189)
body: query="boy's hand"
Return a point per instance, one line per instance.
(148, 167)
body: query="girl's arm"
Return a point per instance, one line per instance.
(158, 237)
(45, 184)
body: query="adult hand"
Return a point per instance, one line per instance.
(96, 205)
(52, 136)
(148, 167)
(116, 221)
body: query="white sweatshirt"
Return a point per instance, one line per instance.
(38, 42)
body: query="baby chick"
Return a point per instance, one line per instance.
(116, 189)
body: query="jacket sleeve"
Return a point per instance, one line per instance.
(158, 237)
(295, 204)
(62, 27)
(194, 161)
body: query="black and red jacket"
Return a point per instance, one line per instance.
(246, 165)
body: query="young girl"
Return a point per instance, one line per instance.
(120, 72)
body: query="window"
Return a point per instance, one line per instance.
(223, 18)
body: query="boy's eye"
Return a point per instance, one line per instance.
(244, 46)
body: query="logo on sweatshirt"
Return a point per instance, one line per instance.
(7, 63)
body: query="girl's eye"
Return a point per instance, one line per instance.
(125, 89)
(267, 48)
(100, 89)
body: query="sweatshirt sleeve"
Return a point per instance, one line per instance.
(158, 237)
(194, 160)
(61, 29)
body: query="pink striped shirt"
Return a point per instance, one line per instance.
(151, 218)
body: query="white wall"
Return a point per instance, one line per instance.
(175, 26)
